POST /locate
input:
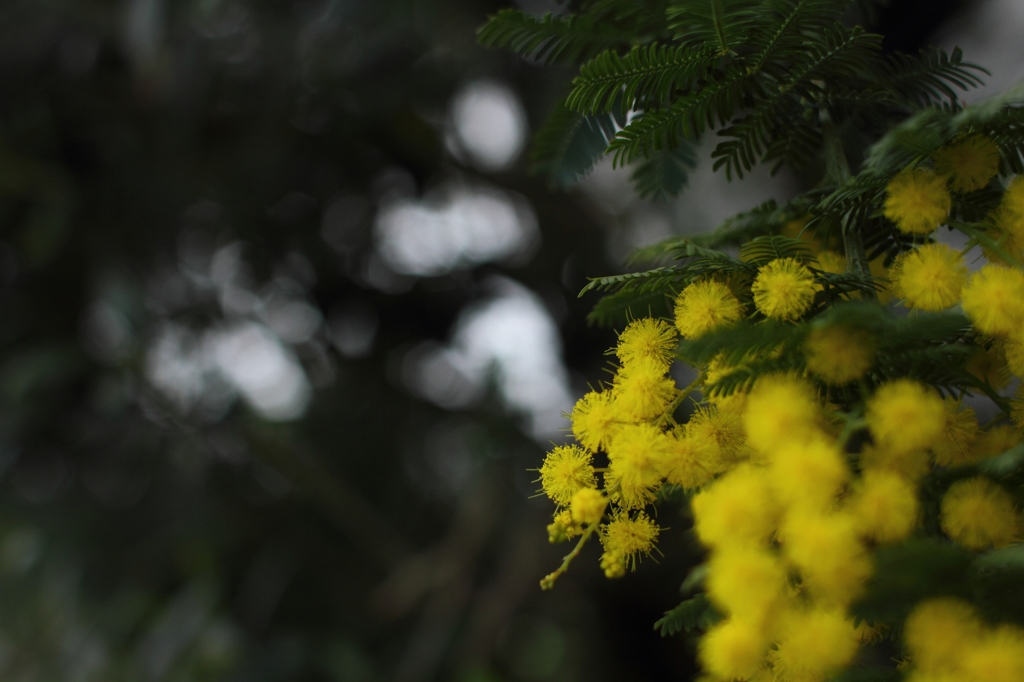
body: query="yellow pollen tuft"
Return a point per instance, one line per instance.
(929, 277)
(828, 553)
(958, 434)
(733, 650)
(813, 644)
(905, 415)
(884, 506)
(839, 355)
(705, 306)
(690, 463)
(745, 582)
(994, 441)
(808, 474)
(721, 431)
(629, 537)
(647, 338)
(595, 420)
(587, 506)
(832, 262)
(970, 162)
(780, 408)
(978, 514)
(637, 456)
(939, 631)
(641, 390)
(997, 657)
(784, 289)
(917, 201)
(993, 299)
(738, 509)
(566, 469)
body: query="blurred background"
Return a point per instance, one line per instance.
(284, 325)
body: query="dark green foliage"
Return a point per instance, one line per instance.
(548, 39)
(790, 65)
(686, 118)
(761, 250)
(570, 143)
(917, 81)
(696, 613)
(725, 24)
(909, 572)
(647, 75)
(997, 583)
(619, 308)
(665, 173)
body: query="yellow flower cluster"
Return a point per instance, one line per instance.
(790, 531)
(792, 493)
(947, 640)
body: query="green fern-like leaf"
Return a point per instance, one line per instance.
(547, 39)
(721, 23)
(615, 310)
(665, 173)
(569, 144)
(765, 249)
(686, 118)
(647, 74)
(692, 614)
(783, 26)
(642, 281)
(916, 81)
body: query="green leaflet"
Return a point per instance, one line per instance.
(692, 614)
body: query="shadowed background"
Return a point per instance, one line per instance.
(285, 324)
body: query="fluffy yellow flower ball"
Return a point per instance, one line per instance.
(929, 277)
(978, 514)
(994, 441)
(780, 409)
(737, 509)
(784, 289)
(884, 506)
(745, 582)
(704, 306)
(839, 355)
(993, 299)
(629, 536)
(733, 650)
(721, 431)
(958, 435)
(997, 657)
(690, 462)
(910, 464)
(595, 420)
(808, 474)
(1009, 217)
(827, 551)
(938, 631)
(647, 338)
(917, 200)
(813, 644)
(636, 458)
(905, 415)
(970, 162)
(641, 390)
(566, 469)
(588, 506)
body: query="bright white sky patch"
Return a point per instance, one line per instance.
(266, 374)
(512, 338)
(489, 124)
(452, 228)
